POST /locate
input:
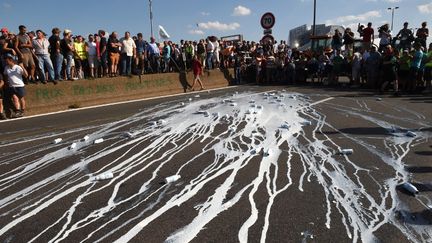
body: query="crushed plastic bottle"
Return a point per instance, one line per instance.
(411, 134)
(72, 146)
(346, 151)
(172, 179)
(410, 188)
(104, 176)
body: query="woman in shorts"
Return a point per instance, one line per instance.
(14, 74)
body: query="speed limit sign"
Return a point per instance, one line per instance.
(268, 20)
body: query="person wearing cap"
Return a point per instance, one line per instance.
(55, 52)
(15, 89)
(23, 47)
(41, 48)
(67, 48)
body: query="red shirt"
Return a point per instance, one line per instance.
(367, 34)
(197, 67)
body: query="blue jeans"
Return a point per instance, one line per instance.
(210, 60)
(126, 62)
(57, 61)
(69, 59)
(45, 61)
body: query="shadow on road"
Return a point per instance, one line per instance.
(419, 169)
(360, 131)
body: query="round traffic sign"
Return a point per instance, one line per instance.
(268, 20)
(268, 39)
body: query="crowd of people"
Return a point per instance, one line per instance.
(401, 62)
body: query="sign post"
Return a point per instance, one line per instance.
(268, 20)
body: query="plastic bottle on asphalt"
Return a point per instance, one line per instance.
(411, 188)
(172, 179)
(104, 176)
(72, 146)
(346, 151)
(411, 134)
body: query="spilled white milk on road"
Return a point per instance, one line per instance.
(235, 132)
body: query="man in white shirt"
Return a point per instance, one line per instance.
(92, 55)
(127, 53)
(14, 74)
(41, 48)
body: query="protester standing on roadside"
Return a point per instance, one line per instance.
(56, 54)
(368, 36)
(103, 53)
(153, 54)
(422, 35)
(128, 51)
(41, 47)
(113, 47)
(23, 47)
(67, 48)
(15, 88)
(389, 74)
(92, 56)
(406, 37)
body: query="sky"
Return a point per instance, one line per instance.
(195, 19)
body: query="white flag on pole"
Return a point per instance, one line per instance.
(162, 33)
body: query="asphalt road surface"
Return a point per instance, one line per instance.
(249, 164)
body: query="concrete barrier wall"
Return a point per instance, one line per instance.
(82, 93)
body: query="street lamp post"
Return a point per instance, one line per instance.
(151, 18)
(393, 10)
(313, 26)
(314, 19)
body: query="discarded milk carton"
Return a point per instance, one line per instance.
(378, 99)
(182, 104)
(97, 141)
(346, 151)
(190, 99)
(104, 176)
(57, 140)
(72, 146)
(197, 96)
(162, 122)
(306, 123)
(129, 134)
(411, 188)
(86, 138)
(411, 134)
(285, 126)
(172, 179)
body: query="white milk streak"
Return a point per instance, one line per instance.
(182, 128)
